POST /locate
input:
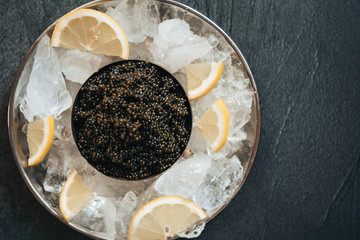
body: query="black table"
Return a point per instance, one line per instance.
(305, 58)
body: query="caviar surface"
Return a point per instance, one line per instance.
(131, 120)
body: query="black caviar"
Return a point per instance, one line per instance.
(131, 120)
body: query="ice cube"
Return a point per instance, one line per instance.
(239, 78)
(221, 181)
(149, 20)
(99, 215)
(184, 178)
(138, 19)
(173, 33)
(63, 158)
(56, 168)
(176, 45)
(126, 208)
(140, 51)
(149, 194)
(224, 152)
(46, 93)
(23, 81)
(208, 181)
(181, 56)
(63, 126)
(129, 22)
(241, 114)
(79, 65)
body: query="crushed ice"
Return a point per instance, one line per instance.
(46, 93)
(207, 178)
(79, 65)
(138, 19)
(126, 207)
(99, 215)
(176, 46)
(207, 181)
(184, 178)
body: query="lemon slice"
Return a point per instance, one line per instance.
(74, 196)
(91, 30)
(214, 125)
(201, 78)
(163, 218)
(40, 135)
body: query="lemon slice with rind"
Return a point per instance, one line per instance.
(164, 218)
(214, 125)
(91, 30)
(40, 135)
(202, 77)
(74, 196)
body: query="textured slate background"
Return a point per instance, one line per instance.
(305, 182)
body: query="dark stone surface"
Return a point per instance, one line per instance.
(305, 181)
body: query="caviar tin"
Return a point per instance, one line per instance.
(186, 119)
